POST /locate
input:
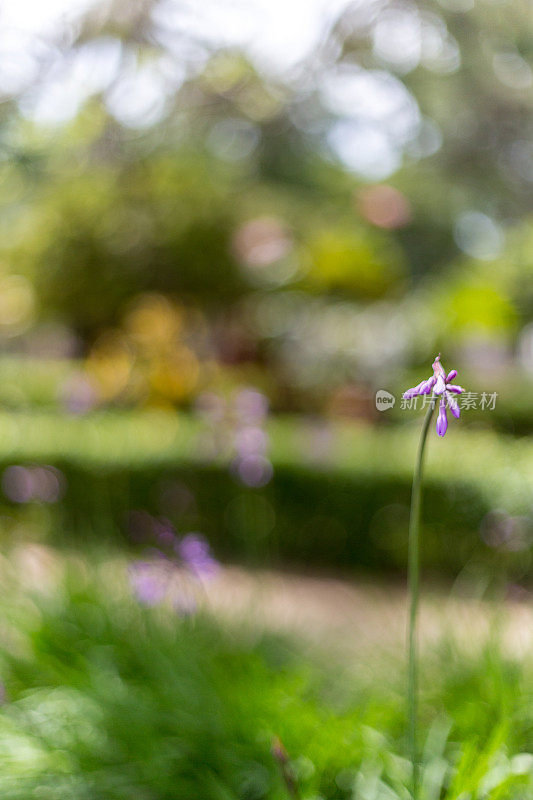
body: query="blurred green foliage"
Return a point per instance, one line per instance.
(354, 263)
(106, 698)
(104, 235)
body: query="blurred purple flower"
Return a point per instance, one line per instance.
(148, 583)
(17, 484)
(441, 386)
(195, 553)
(250, 441)
(44, 484)
(254, 470)
(211, 407)
(172, 569)
(251, 406)
(48, 484)
(78, 394)
(164, 533)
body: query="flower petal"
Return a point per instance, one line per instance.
(451, 387)
(442, 419)
(428, 385)
(438, 369)
(451, 375)
(416, 390)
(440, 385)
(453, 405)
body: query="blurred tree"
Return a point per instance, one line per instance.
(468, 66)
(188, 171)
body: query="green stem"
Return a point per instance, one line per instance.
(414, 591)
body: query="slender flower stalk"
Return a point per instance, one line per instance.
(414, 593)
(443, 391)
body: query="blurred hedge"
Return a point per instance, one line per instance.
(339, 497)
(306, 518)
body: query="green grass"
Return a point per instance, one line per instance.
(110, 701)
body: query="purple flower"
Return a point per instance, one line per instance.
(442, 387)
(442, 419)
(251, 406)
(148, 584)
(196, 555)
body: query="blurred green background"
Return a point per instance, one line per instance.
(224, 227)
(223, 232)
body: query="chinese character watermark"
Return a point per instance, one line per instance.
(483, 401)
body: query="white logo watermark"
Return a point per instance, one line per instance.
(384, 400)
(483, 401)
